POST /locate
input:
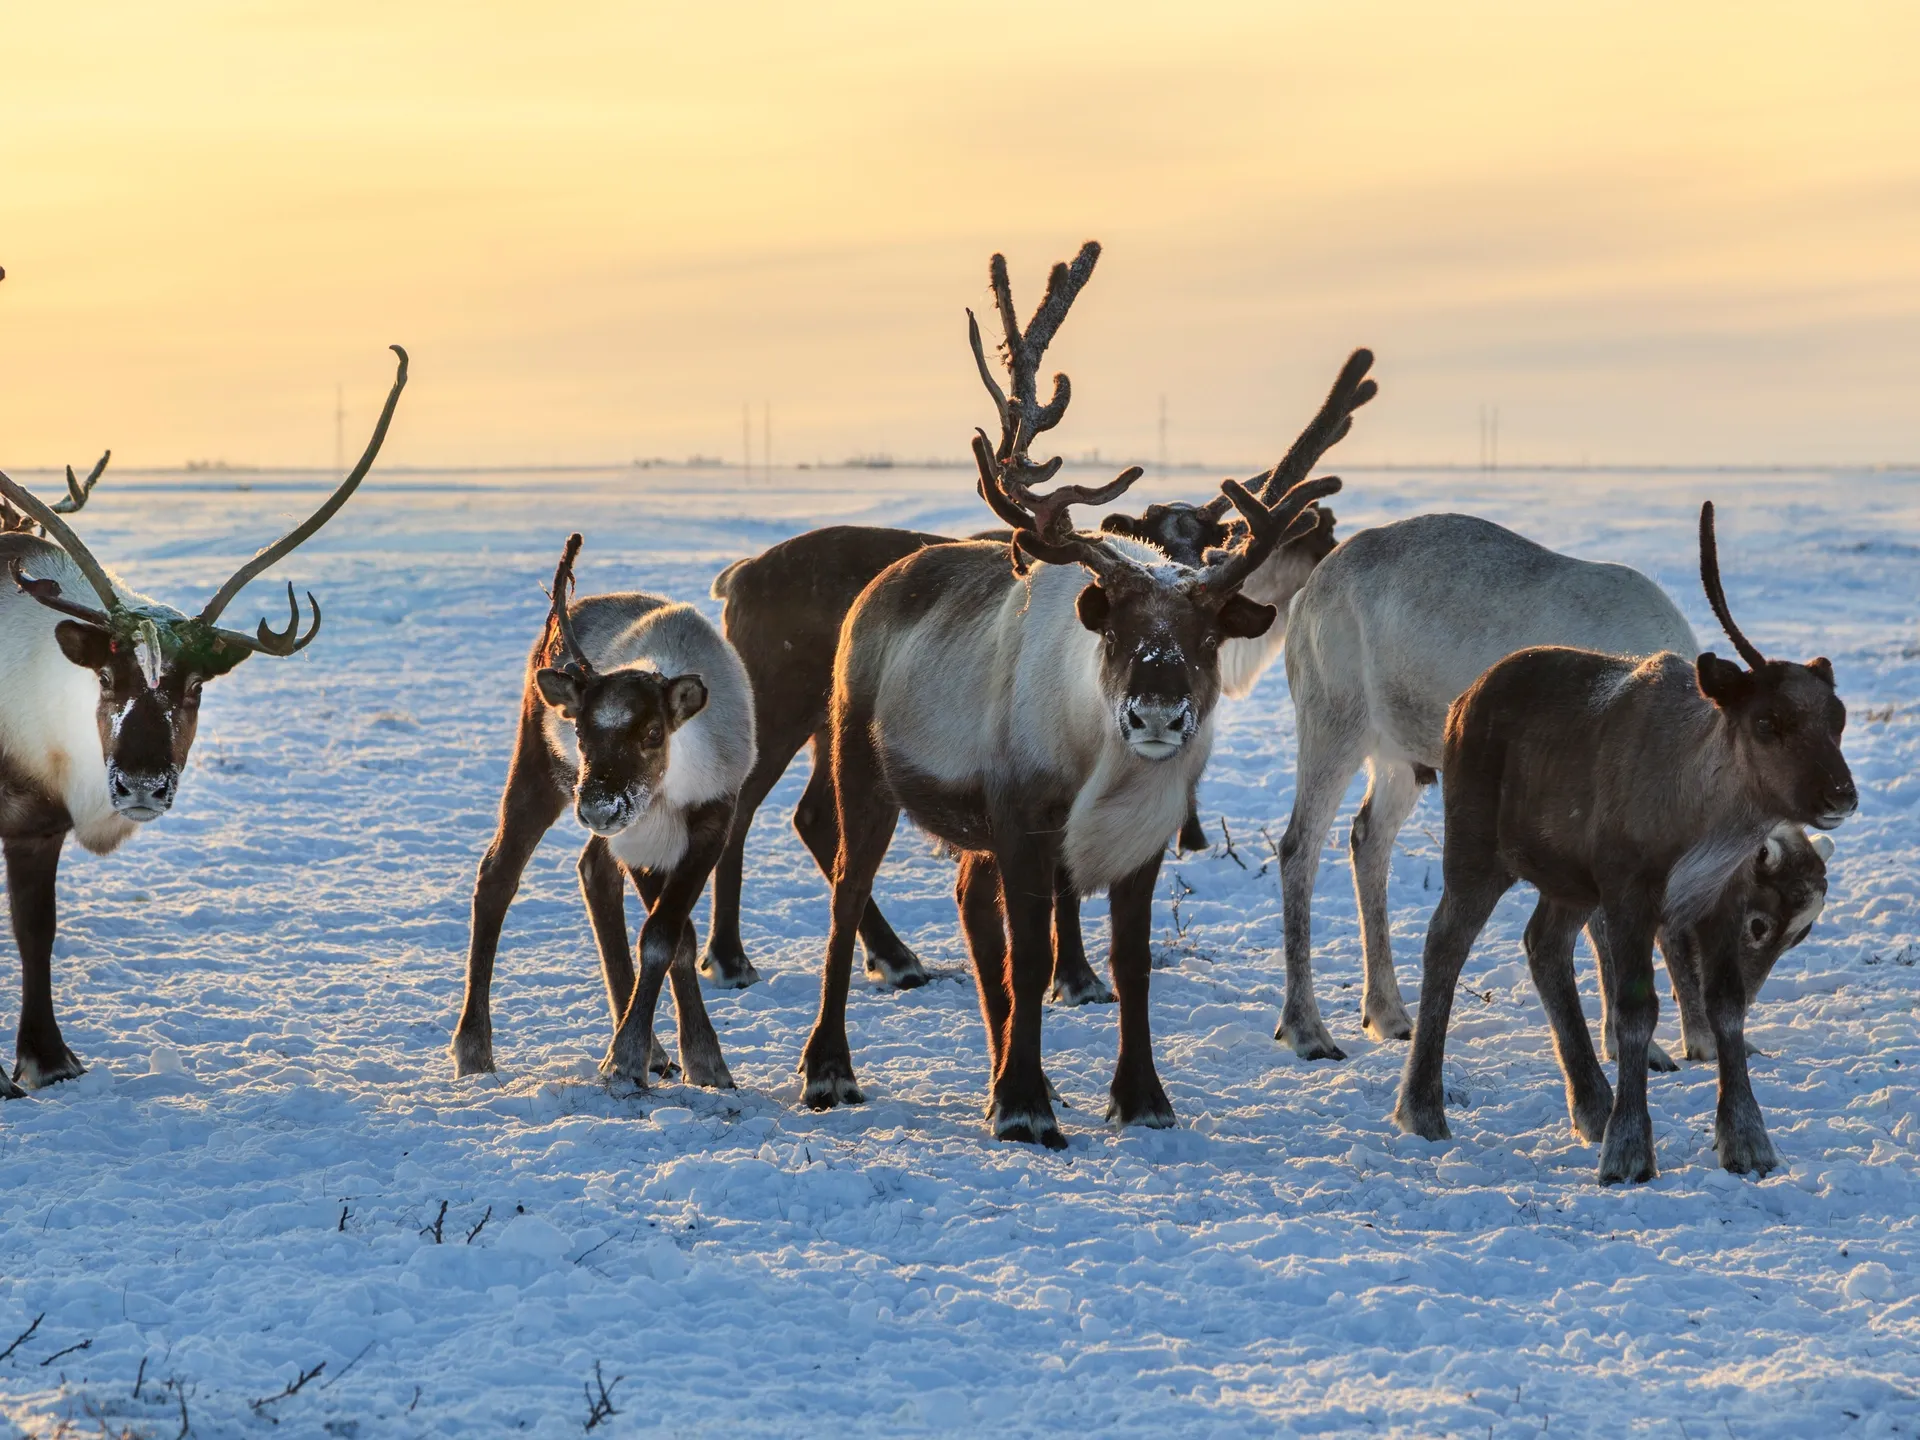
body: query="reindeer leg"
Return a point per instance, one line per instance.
(1685, 973)
(816, 818)
(1392, 792)
(867, 815)
(1473, 887)
(976, 894)
(707, 831)
(1021, 1108)
(1626, 1152)
(1327, 763)
(725, 962)
(1549, 940)
(601, 887)
(1739, 1131)
(1137, 1096)
(532, 802)
(41, 1055)
(1074, 982)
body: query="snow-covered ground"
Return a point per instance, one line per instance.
(264, 983)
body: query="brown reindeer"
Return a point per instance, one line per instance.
(783, 612)
(1041, 717)
(1634, 793)
(636, 711)
(98, 711)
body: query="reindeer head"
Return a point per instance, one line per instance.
(1784, 718)
(1160, 625)
(152, 660)
(1786, 893)
(623, 719)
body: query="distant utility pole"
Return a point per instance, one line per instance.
(766, 438)
(339, 430)
(1163, 437)
(746, 440)
(1489, 437)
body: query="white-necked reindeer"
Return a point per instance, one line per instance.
(98, 711)
(1389, 630)
(1034, 721)
(1638, 789)
(639, 714)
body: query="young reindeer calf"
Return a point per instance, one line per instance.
(639, 713)
(1641, 790)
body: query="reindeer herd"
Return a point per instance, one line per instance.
(1040, 699)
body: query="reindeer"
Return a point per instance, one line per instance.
(1032, 720)
(98, 711)
(783, 613)
(1397, 623)
(636, 711)
(1637, 789)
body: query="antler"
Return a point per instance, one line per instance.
(271, 642)
(77, 492)
(62, 535)
(47, 592)
(574, 659)
(1269, 527)
(1717, 597)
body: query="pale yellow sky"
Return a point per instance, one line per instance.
(1645, 232)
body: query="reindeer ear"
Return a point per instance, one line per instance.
(1093, 607)
(87, 646)
(1244, 619)
(561, 691)
(1822, 667)
(686, 698)
(1121, 525)
(1721, 681)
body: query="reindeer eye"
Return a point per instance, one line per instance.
(1765, 727)
(655, 735)
(1759, 927)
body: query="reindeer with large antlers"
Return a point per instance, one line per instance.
(1635, 792)
(99, 705)
(637, 712)
(1035, 722)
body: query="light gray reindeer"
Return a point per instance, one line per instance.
(636, 711)
(1388, 631)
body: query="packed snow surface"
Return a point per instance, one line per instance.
(245, 1185)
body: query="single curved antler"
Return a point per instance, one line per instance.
(47, 592)
(1716, 596)
(267, 641)
(572, 659)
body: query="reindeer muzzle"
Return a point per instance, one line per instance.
(141, 796)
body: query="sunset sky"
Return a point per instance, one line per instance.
(1646, 233)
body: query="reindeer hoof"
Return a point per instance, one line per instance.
(472, 1053)
(36, 1072)
(729, 972)
(1589, 1116)
(706, 1067)
(1140, 1105)
(1389, 1022)
(1085, 988)
(1745, 1149)
(623, 1063)
(9, 1090)
(1626, 1153)
(1428, 1121)
(1310, 1040)
(660, 1063)
(1659, 1062)
(1027, 1127)
(903, 971)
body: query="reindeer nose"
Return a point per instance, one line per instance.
(1842, 799)
(1157, 722)
(141, 796)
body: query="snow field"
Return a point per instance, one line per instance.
(264, 983)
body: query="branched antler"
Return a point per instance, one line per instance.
(15, 522)
(1716, 596)
(1008, 474)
